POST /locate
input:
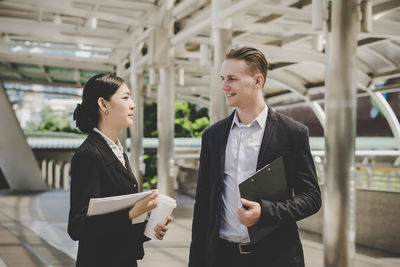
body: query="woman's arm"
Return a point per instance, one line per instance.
(86, 171)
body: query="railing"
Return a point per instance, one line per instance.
(56, 173)
(374, 169)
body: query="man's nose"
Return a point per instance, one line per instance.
(225, 87)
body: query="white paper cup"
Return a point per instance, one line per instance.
(164, 208)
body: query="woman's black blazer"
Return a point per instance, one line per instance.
(104, 240)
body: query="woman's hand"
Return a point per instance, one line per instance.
(144, 205)
(161, 229)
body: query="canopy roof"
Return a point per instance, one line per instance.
(65, 42)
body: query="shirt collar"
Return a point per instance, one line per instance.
(109, 141)
(261, 119)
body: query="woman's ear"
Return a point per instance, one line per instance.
(102, 105)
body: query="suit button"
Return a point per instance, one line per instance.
(134, 185)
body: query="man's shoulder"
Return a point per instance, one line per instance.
(216, 127)
(289, 123)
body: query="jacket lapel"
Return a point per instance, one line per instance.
(128, 168)
(269, 129)
(109, 156)
(222, 140)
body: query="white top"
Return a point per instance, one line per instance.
(241, 156)
(115, 147)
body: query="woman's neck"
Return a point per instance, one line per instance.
(110, 132)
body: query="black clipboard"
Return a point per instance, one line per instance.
(268, 183)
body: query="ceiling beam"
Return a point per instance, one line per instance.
(57, 61)
(276, 53)
(55, 7)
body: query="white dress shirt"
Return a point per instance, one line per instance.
(115, 147)
(241, 156)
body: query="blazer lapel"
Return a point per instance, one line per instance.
(128, 168)
(109, 156)
(269, 129)
(222, 140)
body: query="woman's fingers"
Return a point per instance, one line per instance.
(169, 219)
(160, 231)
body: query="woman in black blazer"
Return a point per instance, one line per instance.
(100, 168)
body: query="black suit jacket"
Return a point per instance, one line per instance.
(110, 239)
(282, 137)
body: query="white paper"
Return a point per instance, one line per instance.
(140, 218)
(98, 206)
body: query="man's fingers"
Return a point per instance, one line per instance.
(248, 203)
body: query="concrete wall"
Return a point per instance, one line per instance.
(377, 220)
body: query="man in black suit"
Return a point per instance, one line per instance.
(232, 150)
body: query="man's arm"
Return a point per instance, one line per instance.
(307, 195)
(305, 202)
(197, 254)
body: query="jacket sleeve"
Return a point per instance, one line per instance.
(197, 254)
(86, 172)
(306, 199)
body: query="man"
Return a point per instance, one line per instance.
(232, 150)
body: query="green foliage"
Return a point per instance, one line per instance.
(150, 120)
(190, 121)
(150, 177)
(54, 122)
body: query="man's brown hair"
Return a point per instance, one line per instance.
(254, 59)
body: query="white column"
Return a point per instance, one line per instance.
(44, 168)
(50, 176)
(66, 169)
(166, 130)
(136, 81)
(221, 36)
(340, 131)
(57, 175)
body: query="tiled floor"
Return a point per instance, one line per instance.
(33, 233)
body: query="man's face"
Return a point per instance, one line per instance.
(238, 84)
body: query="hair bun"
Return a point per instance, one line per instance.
(83, 121)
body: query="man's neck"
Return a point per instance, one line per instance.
(249, 114)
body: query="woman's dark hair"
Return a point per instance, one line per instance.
(87, 113)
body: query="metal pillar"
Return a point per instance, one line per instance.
(136, 81)
(165, 126)
(221, 41)
(17, 161)
(123, 134)
(340, 107)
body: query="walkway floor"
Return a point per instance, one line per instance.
(33, 233)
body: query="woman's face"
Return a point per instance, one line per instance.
(121, 108)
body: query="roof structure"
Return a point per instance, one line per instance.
(66, 42)
(63, 43)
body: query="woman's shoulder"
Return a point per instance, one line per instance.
(87, 150)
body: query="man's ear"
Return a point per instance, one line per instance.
(259, 79)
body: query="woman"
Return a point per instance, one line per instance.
(100, 168)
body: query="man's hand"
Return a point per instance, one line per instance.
(250, 216)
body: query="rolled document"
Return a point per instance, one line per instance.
(164, 208)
